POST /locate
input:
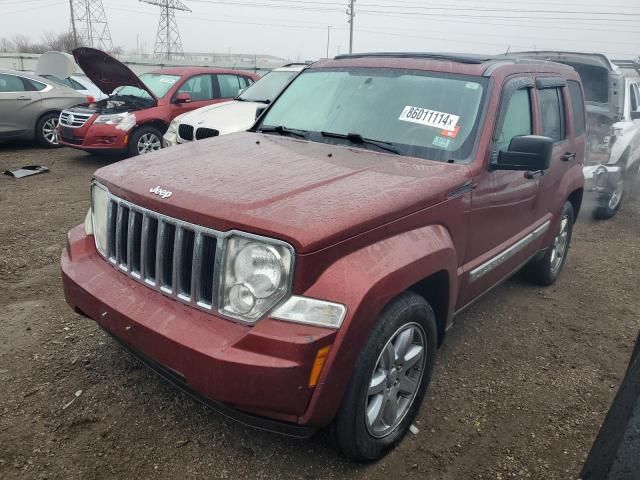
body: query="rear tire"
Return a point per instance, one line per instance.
(145, 140)
(389, 380)
(545, 268)
(46, 130)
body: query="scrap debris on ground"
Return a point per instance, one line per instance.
(521, 386)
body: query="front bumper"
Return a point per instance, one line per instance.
(94, 137)
(600, 182)
(258, 375)
(169, 140)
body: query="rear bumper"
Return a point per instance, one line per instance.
(257, 375)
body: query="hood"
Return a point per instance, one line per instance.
(227, 117)
(106, 72)
(312, 195)
(59, 64)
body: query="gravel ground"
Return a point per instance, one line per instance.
(521, 386)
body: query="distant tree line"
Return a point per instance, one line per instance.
(61, 42)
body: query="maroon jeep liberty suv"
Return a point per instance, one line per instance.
(302, 275)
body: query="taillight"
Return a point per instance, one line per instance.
(90, 99)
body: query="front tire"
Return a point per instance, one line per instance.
(46, 130)
(389, 380)
(145, 140)
(545, 268)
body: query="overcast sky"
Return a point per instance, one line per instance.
(298, 29)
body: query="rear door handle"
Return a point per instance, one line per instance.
(569, 156)
(23, 98)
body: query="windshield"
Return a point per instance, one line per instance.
(267, 87)
(158, 83)
(423, 114)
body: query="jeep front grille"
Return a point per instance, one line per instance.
(174, 257)
(185, 132)
(74, 119)
(203, 133)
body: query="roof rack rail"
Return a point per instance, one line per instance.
(451, 57)
(628, 64)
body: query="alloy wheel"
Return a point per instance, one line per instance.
(148, 142)
(395, 380)
(49, 131)
(616, 196)
(560, 245)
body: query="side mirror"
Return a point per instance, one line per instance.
(635, 115)
(182, 97)
(530, 153)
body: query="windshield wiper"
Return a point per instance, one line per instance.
(357, 138)
(282, 130)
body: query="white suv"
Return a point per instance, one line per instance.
(234, 116)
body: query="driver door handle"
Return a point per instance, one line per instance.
(569, 156)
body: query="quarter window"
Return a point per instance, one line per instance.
(552, 113)
(517, 119)
(577, 106)
(11, 83)
(635, 98)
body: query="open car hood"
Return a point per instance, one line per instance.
(106, 72)
(59, 64)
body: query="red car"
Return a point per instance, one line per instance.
(302, 275)
(139, 110)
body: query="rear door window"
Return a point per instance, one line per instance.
(229, 86)
(11, 83)
(577, 106)
(517, 119)
(552, 113)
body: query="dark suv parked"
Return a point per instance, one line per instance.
(303, 274)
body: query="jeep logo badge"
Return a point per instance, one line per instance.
(160, 192)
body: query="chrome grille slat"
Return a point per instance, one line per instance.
(179, 259)
(196, 268)
(178, 239)
(130, 239)
(143, 246)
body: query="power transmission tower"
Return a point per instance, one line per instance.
(351, 13)
(168, 41)
(89, 25)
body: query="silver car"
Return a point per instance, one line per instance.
(30, 106)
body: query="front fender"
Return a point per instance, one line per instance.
(365, 281)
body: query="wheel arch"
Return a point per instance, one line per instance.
(575, 198)
(157, 123)
(423, 261)
(435, 290)
(46, 112)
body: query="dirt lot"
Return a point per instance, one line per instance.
(522, 383)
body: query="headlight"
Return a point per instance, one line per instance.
(256, 277)
(99, 210)
(173, 126)
(122, 121)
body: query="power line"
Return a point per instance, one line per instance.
(505, 10)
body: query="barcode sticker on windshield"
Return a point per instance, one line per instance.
(429, 118)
